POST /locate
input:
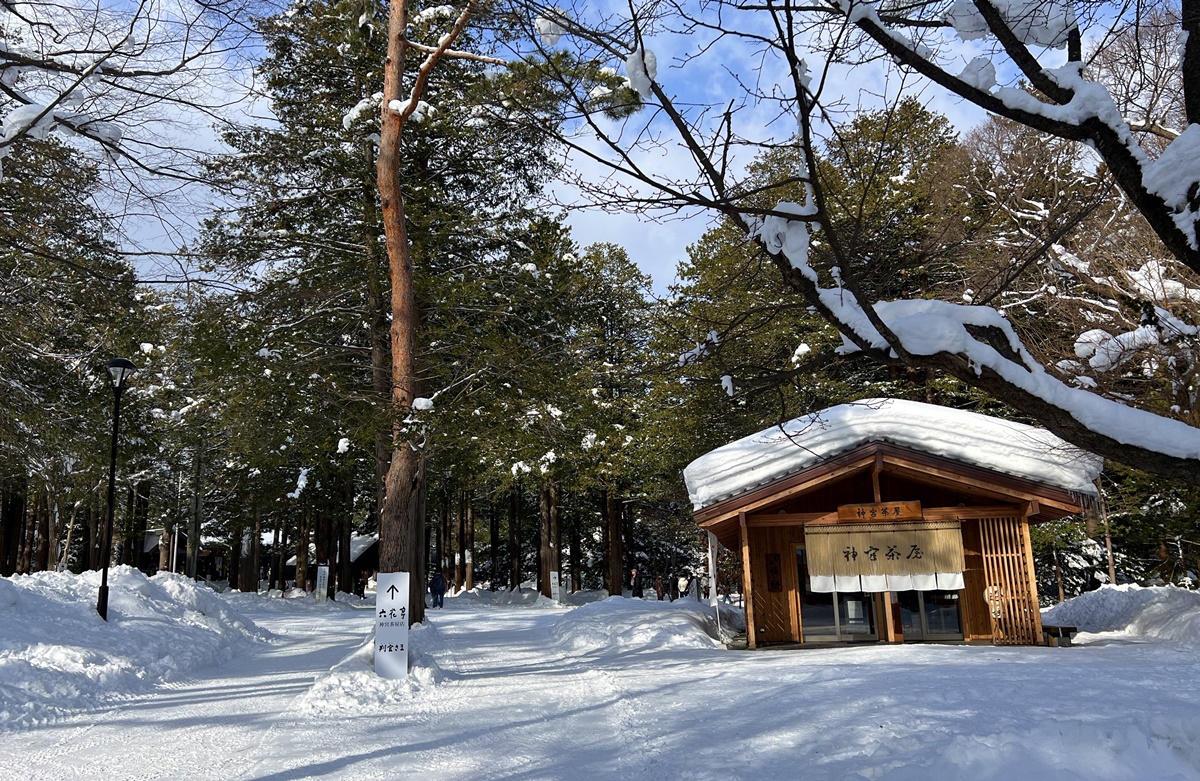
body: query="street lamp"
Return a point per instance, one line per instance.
(120, 369)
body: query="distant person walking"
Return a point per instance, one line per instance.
(658, 587)
(635, 584)
(437, 587)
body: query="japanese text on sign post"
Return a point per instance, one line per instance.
(391, 625)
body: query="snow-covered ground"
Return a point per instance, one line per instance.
(183, 683)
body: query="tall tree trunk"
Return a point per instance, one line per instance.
(248, 570)
(10, 528)
(576, 567)
(399, 535)
(547, 537)
(123, 534)
(345, 564)
(194, 520)
(54, 528)
(469, 542)
(494, 545)
(556, 531)
(514, 540)
(237, 541)
(605, 581)
(28, 534)
(41, 552)
(93, 541)
(444, 544)
(627, 545)
(303, 535)
(616, 574)
(460, 536)
(281, 550)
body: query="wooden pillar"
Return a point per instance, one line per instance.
(1032, 576)
(747, 586)
(890, 614)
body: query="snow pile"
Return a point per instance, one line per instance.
(620, 624)
(1162, 613)
(991, 443)
(352, 687)
(57, 655)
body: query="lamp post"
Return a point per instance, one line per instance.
(120, 369)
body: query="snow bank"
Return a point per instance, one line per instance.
(624, 625)
(57, 655)
(991, 443)
(1163, 613)
(527, 596)
(352, 688)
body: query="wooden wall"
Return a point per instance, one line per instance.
(775, 611)
(1010, 588)
(976, 621)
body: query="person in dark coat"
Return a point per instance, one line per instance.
(635, 584)
(437, 587)
(659, 590)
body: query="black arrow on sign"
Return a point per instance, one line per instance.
(393, 591)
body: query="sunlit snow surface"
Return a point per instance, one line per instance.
(514, 687)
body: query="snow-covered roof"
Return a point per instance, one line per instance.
(1000, 445)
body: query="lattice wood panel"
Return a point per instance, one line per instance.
(1010, 589)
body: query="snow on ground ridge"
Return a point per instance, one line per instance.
(58, 656)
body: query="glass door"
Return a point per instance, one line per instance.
(833, 616)
(929, 615)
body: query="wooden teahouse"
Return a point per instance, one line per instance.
(889, 521)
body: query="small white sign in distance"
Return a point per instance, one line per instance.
(391, 625)
(555, 588)
(322, 584)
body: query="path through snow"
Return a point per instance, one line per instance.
(532, 692)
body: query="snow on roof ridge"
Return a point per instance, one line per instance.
(980, 440)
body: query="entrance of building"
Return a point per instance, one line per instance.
(847, 617)
(930, 615)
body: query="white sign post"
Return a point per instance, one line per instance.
(391, 625)
(555, 588)
(322, 584)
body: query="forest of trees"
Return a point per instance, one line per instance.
(552, 399)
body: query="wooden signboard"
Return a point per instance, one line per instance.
(880, 511)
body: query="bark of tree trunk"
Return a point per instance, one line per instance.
(10, 516)
(514, 540)
(616, 574)
(399, 535)
(53, 531)
(194, 520)
(576, 567)
(494, 546)
(444, 536)
(469, 542)
(303, 535)
(605, 546)
(28, 533)
(460, 537)
(41, 552)
(548, 537)
(93, 541)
